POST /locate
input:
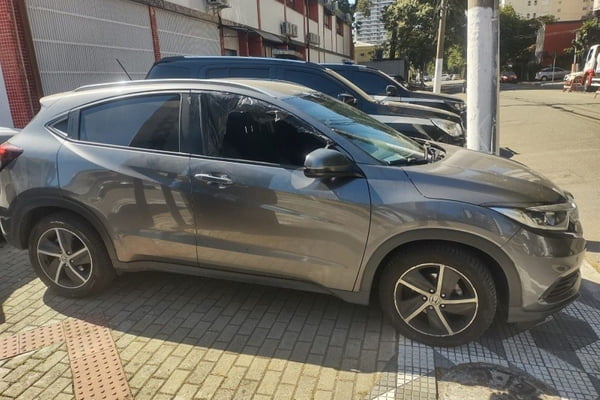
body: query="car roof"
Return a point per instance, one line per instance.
(237, 60)
(340, 66)
(86, 94)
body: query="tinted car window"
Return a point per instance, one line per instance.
(314, 80)
(150, 122)
(168, 70)
(371, 83)
(225, 72)
(62, 126)
(245, 128)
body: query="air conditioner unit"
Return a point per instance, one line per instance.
(313, 38)
(289, 29)
(218, 3)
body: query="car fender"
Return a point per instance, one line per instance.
(365, 280)
(31, 200)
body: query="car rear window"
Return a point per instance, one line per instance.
(150, 122)
(167, 70)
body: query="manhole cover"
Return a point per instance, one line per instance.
(488, 381)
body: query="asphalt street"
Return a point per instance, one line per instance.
(558, 134)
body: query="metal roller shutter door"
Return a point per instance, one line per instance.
(77, 42)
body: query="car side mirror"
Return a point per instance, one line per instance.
(328, 163)
(348, 99)
(391, 90)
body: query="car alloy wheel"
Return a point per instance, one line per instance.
(436, 300)
(64, 258)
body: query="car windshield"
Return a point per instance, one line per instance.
(364, 95)
(375, 138)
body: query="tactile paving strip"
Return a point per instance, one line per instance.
(85, 338)
(95, 363)
(100, 376)
(33, 339)
(9, 346)
(40, 337)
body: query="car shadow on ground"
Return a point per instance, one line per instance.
(14, 276)
(241, 318)
(533, 363)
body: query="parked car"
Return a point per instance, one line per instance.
(412, 120)
(274, 183)
(383, 87)
(508, 77)
(7, 133)
(546, 74)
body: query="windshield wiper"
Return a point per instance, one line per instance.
(409, 161)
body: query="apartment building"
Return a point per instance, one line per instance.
(563, 10)
(370, 28)
(54, 46)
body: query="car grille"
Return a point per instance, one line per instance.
(562, 288)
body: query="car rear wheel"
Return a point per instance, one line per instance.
(544, 78)
(441, 295)
(69, 256)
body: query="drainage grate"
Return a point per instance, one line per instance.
(95, 364)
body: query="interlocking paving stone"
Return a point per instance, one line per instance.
(187, 336)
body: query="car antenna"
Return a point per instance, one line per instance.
(124, 70)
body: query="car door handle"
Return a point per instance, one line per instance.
(209, 178)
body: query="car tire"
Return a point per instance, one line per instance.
(451, 315)
(69, 256)
(544, 78)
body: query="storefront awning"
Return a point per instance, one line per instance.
(270, 37)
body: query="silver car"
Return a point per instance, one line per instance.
(274, 183)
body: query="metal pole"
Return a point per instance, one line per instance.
(553, 66)
(439, 58)
(483, 75)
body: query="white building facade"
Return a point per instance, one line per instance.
(55, 46)
(370, 29)
(563, 10)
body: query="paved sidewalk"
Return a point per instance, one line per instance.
(187, 337)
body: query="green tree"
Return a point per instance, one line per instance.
(455, 59)
(587, 35)
(412, 29)
(517, 36)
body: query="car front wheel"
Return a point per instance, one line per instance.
(69, 256)
(544, 78)
(440, 295)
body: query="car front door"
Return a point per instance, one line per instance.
(256, 212)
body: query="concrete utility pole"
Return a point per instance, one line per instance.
(482, 75)
(439, 58)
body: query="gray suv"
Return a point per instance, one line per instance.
(275, 183)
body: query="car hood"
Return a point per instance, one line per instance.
(413, 110)
(483, 179)
(428, 95)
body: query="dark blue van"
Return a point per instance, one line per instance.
(412, 120)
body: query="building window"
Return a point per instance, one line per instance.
(529, 2)
(533, 15)
(313, 10)
(327, 21)
(339, 26)
(528, 15)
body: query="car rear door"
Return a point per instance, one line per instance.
(124, 163)
(255, 210)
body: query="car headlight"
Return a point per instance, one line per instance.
(459, 106)
(554, 217)
(451, 128)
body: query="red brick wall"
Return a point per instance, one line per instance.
(18, 66)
